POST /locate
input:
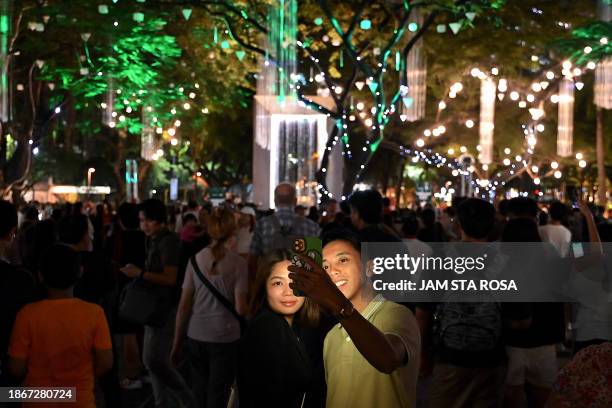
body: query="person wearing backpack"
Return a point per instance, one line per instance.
(207, 322)
(279, 230)
(468, 370)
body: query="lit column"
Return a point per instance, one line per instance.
(565, 130)
(487, 119)
(413, 106)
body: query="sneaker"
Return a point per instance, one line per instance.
(129, 384)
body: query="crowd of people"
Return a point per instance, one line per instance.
(200, 302)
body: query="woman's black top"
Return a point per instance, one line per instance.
(274, 368)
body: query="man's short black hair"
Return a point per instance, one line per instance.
(154, 210)
(8, 217)
(30, 213)
(558, 211)
(410, 226)
(189, 217)
(369, 205)
(476, 217)
(60, 266)
(128, 215)
(521, 229)
(342, 234)
(502, 206)
(522, 207)
(192, 204)
(428, 216)
(345, 207)
(72, 228)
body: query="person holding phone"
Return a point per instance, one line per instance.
(371, 357)
(275, 370)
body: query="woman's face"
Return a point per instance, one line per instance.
(280, 296)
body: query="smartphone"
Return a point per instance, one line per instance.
(307, 246)
(577, 250)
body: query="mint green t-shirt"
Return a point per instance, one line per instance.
(353, 382)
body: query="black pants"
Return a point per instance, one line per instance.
(213, 370)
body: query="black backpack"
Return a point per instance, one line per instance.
(473, 326)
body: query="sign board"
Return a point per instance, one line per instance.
(131, 180)
(80, 190)
(174, 189)
(216, 192)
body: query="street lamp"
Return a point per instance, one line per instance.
(195, 183)
(90, 171)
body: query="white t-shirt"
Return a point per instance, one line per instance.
(559, 236)
(210, 321)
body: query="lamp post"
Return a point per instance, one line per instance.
(90, 171)
(195, 184)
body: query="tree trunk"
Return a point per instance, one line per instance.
(143, 171)
(118, 165)
(601, 165)
(400, 182)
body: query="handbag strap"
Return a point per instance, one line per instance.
(222, 299)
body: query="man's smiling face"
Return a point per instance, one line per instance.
(342, 262)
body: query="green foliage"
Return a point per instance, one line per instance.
(591, 36)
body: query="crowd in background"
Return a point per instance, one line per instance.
(231, 328)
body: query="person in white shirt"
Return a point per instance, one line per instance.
(556, 233)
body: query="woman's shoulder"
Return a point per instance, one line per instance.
(266, 321)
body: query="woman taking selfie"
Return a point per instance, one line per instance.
(275, 370)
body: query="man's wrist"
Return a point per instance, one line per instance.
(344, 310)
(141, 274)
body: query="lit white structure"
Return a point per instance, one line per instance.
(109, 103)
(565, 129)
(487, 119)
(603, 84)
(413, 106)
(288, 146)
(603, 72)
(290, 140)
(148, 141)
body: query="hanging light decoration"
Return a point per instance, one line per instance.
(282, 40)
(603, 84)
(5, 28)
(603, 72)
(488, 90)
(275, 82)
(413, 97)
(148, 146)
(565, 130)
(109, 104)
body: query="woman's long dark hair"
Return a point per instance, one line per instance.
(308, 314)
